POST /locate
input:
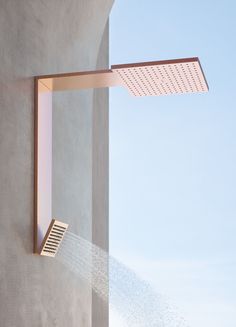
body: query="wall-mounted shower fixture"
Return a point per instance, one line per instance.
(141, 79)
(53, 238)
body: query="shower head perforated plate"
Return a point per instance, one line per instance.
(162, 77)
(53, 238)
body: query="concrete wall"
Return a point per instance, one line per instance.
(100, 177)
(44, 37)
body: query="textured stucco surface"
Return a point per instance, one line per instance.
(44, 37)
(100, 171)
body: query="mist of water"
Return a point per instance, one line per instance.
(134, 299)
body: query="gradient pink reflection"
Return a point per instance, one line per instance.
(44, 164)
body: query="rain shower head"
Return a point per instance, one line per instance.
(166, 77)
(152, 78)
(53, 238)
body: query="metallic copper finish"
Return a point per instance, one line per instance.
(43, 162)
(53, 238)
(76, 81)
(141, 79)
(163, 77)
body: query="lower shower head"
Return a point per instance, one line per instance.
(53, 238)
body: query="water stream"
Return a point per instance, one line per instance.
(132, 298)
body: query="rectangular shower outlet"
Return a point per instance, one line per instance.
(53, 238)
(164, 77)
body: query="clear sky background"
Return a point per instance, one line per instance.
(173, 159)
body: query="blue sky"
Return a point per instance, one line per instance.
(173, 159)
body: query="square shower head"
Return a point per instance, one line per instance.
(162, 77)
